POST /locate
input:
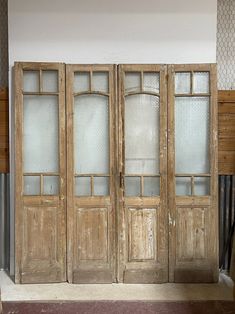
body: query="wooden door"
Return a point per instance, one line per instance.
(142, 197)
(192, 173)
(91, 170)
(40, 173)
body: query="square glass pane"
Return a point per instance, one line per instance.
(201, 82)
(31, 81)
(82, 186)
(40, 134)
(50, 81)
(81, 82)
(183, 186)
(31, 185)
(151, 186)
(51, 185)
(151, 82)
(101, 186)
(192, 135)
(142, 120)
(132, 186)
(100, 81)
(132, 82)
(202, 186)
(91, 134)
(182, 82)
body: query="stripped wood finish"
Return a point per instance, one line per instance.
(4, 132)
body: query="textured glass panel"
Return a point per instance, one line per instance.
(91, 134)
(82, 186)
(132, 82)
(151, 82)
(132, 186)
(151, 186)
(51, 185)
(40, 134)
(101, 186)
(201, 82)
(183, 186)
(81, 82)
(202, 186)
(31, 185)
(31, 81)
(192, 135)
(142, 134)
(101, 81)
(50, 81)
(182, 83)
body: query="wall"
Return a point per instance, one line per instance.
(3, 44)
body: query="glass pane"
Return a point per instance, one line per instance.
(192, 135)
(31, 81)
(40, 134)
(82, 186)
(132, 186)
(31, 185)
(142, 134)
(151, 82)
(91, 134)
(201, 82)
(101, 186)
(182, 83)
(132, 82)
(50, 81)
(151, 186)
(81, 82)
(51, 185)
(202, 186)
(101, 81)
(183, 186)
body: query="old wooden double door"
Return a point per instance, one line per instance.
(115, 173)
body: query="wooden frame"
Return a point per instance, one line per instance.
(203, 269)
(46, 213)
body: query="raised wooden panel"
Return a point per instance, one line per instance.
(190, 234)
(4, 131)
(92, 224)
(142, 234)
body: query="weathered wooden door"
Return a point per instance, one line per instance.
(91, 173)
(40, 173)
(142, 212)
(192, 173)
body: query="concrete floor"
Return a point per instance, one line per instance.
(71, 292)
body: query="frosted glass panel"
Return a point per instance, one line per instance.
(50, 81)
(81, 81)
(183, 186)
(31, 81)
(192, 135)
(132, 186)
(91, 134)
(201, 82)
(142, 134)
(40, 134)
(132, 82)
(202, 186)
(31, 185)
(151, 186)
(101, 186)
(51, 185)
(101, 81)
(182, 83)
(151, 82)
(82, 186)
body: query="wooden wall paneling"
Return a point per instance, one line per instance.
(40, 237)
(4, 131)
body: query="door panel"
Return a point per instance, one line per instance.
(192, 175)
(40, 173)
(91, 171)
(142, 229)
